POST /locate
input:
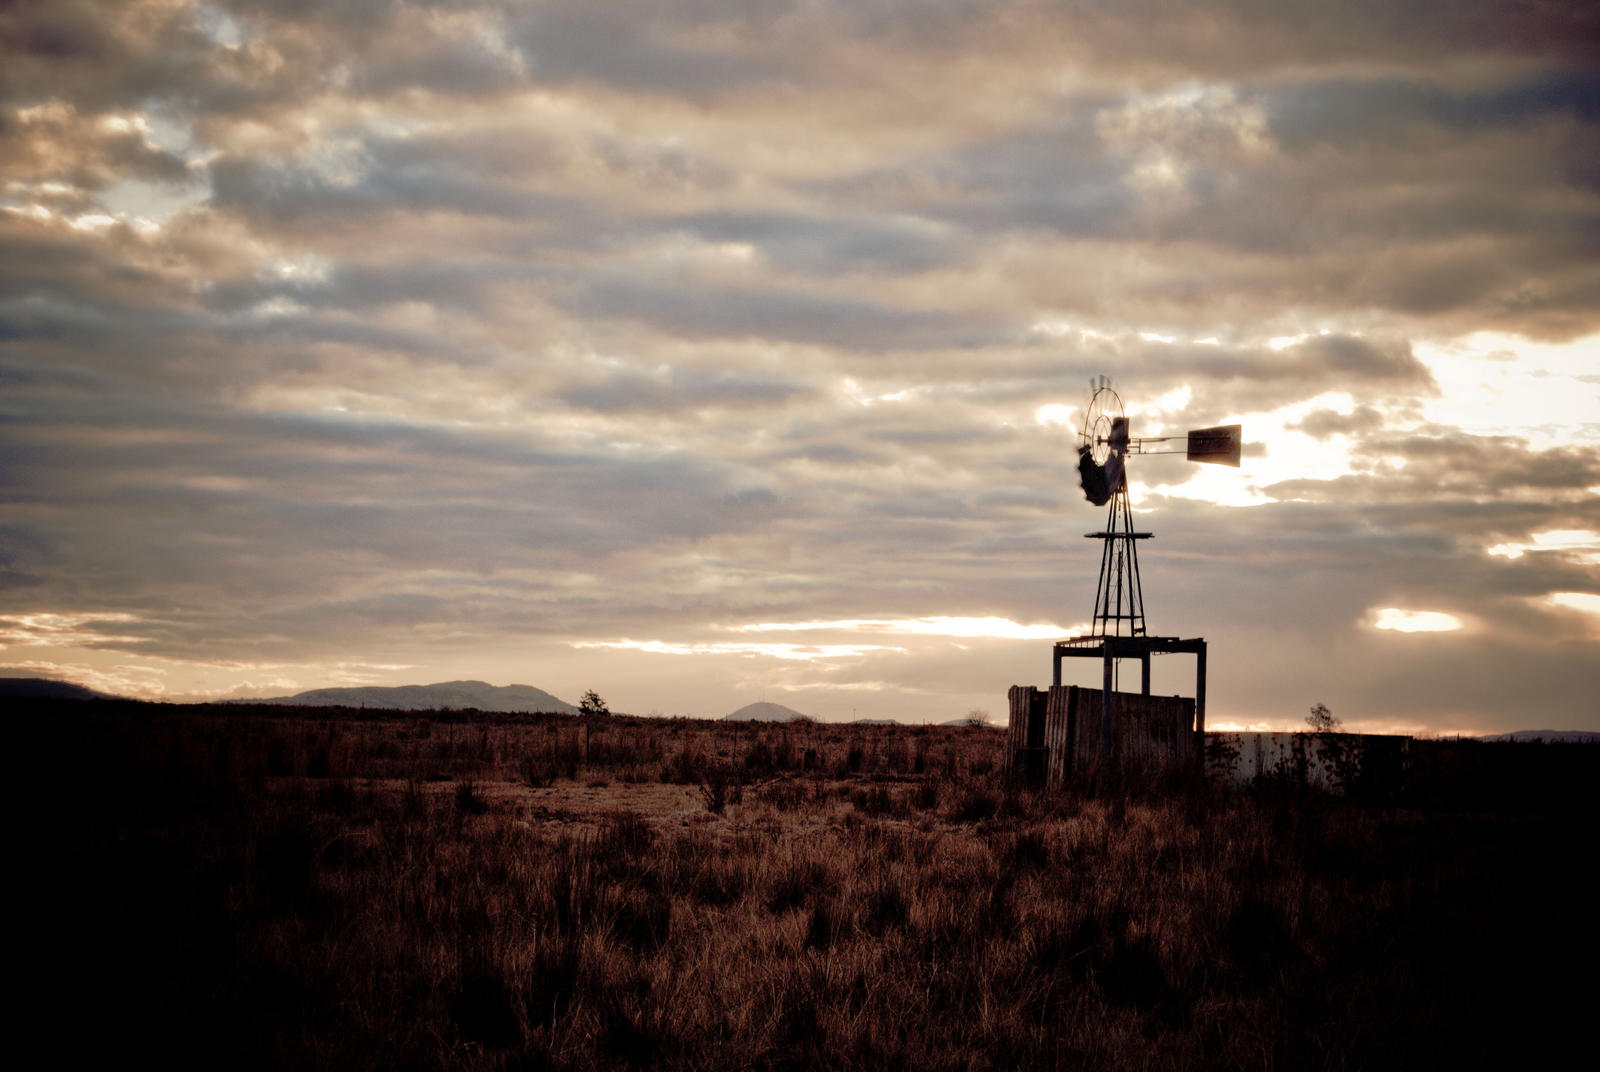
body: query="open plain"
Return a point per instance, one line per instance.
(266, 888)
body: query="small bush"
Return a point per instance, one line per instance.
(719, 789)
(974, 802)
(469, 801)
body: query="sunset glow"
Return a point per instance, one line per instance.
(1416, 621)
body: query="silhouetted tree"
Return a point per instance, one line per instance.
(592, 704)
(1322, 720)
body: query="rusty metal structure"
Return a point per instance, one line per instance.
(1057, 732)
(1118, 630)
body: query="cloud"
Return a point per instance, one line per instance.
(455, 334)
(678, 388)
(1415, 621)
(1453, 466)
(713, 309)
(1323, 423)
(1353, 110)
(989, 628)
(814, 243)
(88, 630)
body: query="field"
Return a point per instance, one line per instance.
(255, 888)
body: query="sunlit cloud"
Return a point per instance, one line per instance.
(1056, 413)
(1494, 383)
(64, 630)
(988, 628)
(1586, 602)
(791, 652)
(1205, 485)
(853, 685)
(1415, 621)
(1582, 544)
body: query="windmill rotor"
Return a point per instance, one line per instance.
(1105, 407)
(1104, 444)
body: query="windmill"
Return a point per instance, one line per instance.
(1048, 732)
(1104, 445)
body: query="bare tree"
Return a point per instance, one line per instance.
(1322, 720)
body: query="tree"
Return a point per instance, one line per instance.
(592, 704)
(1342, 752)
(977, 718)
(1322, 720)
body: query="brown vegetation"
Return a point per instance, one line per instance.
(253, 888)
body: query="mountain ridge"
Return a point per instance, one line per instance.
(762, 711)
(1547, 736)
(437, 696)
(48, 688)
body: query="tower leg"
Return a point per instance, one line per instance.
(1119, 591)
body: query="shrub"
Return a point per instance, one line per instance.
(468, 800)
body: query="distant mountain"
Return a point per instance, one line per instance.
(765, 712)
(43, 688)
(966, 720)
(1549, 736)
(452, 694)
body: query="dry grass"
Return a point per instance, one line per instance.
(244, 888)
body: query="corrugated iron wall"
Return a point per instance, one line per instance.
(1021, 697)
(1058, 726)
(1149, 733)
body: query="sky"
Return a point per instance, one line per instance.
(703, 353)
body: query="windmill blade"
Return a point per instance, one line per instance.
(1220, 446)
(1100, 481)
(1096, 487)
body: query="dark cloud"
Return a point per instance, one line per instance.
(1323, 359)
(688, 49)
(1057, 175)
(839, 454)
(1486, 463)
(1348, 112)
(463, 65)
(388, 179)
(1323, 423)
(269, 511)
(694, 308)
(680, 388)
(1421, 468)
(816, 244)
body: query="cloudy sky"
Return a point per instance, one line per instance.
(700, 353)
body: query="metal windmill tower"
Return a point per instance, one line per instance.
(1103, 448)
